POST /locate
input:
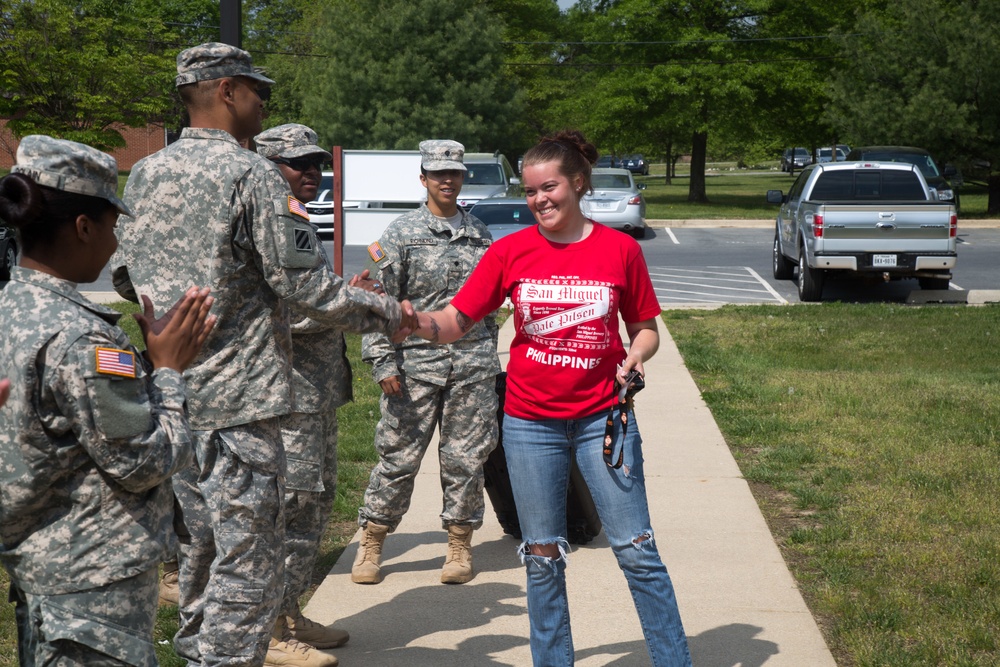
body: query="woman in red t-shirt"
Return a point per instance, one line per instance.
(569, 279)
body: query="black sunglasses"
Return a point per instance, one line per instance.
(304, 163)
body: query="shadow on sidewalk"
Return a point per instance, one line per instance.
(732, 645)
(395, 628)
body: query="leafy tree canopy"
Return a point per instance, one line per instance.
(401, 71)
(76, 68)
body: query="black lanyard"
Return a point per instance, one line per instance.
(623, 401)
(609, 430)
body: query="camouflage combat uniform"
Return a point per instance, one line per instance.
(209, 212)
(421, 258)
(87, 442)
(322, 380)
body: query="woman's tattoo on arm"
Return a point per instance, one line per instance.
(465, 322)
(435, 330)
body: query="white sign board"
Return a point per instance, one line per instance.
(364, 226)
(382, 176)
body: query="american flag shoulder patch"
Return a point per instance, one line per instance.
(297, 207)
(376, 252)
(115, 362)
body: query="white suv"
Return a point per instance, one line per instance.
(489, 175)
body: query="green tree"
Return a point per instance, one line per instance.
(926, 74)
(675, 70)
(76, 69)
(531, 30)
(400, 71)
(801, 43)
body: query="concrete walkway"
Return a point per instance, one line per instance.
(739, 603)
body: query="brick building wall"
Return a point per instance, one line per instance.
(139, 142)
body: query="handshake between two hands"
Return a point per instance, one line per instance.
(408, 323)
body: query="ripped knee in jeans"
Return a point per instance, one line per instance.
(544, 550)
(645, 537)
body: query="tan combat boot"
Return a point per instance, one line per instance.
(310, 632)
(458, 564)
(367, 567)
(286, 651)
(169, 592)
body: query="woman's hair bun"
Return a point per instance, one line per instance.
(22, 202)
(576, 139)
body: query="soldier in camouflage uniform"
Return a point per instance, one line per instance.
(94, 428)
(208, 210)
(425, 256)
(321, 378)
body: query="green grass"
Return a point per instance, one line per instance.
(869, 434)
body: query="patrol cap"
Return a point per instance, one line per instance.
(215, 60)
(441, 154)
(290, 140)
(69, 166)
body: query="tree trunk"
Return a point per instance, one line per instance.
(696, 188)
(993, 197)
(670, 150)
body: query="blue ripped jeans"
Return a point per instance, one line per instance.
(538, 457)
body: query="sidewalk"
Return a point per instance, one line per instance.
(739, 603)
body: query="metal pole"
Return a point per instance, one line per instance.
(231, 22)
(338, 210)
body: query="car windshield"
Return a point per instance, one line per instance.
(614, 181)
(923, 162)
(801, 152)
(504, 215)
(484, 174)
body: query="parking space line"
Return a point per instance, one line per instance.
(673, 238)
(766, 285)
(720, 284)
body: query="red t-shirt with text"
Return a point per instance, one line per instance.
(566, 299)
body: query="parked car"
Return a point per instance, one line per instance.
(504, 215)
(321, 209)
(637, 164)
(616, 201)
(488, 175)
(8, 251)
(795, 158)
(936, 178)
(826, 154)
(872, 218)
(607, 162)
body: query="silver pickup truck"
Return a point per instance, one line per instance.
(865, 217)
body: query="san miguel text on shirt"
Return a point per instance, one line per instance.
(568, 316)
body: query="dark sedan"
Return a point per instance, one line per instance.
(637, 164)
(504, 215)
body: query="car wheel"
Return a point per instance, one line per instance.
(810, 280)
(934, 283)
(783, 268)
(638, 232)
(9, 256)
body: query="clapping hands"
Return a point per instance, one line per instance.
(175, 339)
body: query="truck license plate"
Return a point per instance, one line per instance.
(883, 260)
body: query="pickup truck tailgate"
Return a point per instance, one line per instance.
(886, 226)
